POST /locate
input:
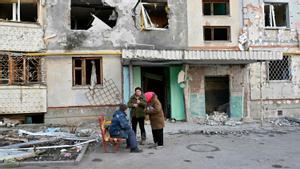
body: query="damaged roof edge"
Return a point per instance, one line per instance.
(201, 55)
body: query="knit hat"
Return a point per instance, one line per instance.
(149, 96)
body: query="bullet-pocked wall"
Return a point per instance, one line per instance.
(76, 25)
(273, 25)
(200, 89)
(280, 89)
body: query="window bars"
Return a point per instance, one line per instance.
(20, 70)
(280, 69)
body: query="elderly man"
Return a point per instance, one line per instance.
(120, 127)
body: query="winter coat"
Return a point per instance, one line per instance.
(119, 125)
(137, 111)
(156, 114)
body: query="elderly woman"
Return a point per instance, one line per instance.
(156, 116)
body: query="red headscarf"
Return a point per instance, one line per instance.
(149, 96)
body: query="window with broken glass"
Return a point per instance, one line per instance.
(276, 15)
(280, 69)
(89, 13)
(154, 15)
(216, 33)
(19, 10)
(215, 7)
(18, 70)
(87, 71)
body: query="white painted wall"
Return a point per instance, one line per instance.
(196, 21)
(23, 99)
(61, 92)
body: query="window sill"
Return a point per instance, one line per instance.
(217, 41)
(20, 24)
(279, 81)
(29, 86)
(277, 28)
(216, 15)
(99, 86)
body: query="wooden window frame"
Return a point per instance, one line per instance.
(39, 10)
(212, 2)
(212, 33)
(83, 70)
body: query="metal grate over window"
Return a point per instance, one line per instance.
(20, 70)
(280, 69)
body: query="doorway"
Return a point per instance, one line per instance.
(217, 94)
(157, 79)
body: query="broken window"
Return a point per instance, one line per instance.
(276, 14)
(85, 13)
(19, 70)
(280, 69)
(19, 10)
(215, 7)
(87, 71)
(154, 16)
(216, 33)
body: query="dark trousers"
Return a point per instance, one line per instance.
(158, 136)
(141, 121)
(130, 139)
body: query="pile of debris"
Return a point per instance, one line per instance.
(220, 119)
(285, 122)
(52, 144)
(9, 122)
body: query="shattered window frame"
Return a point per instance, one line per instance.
(280, 70)
(20, 70)
(17, 13)
(83, 69)
(212, 4)
(271, 16)
(212, 33)
(146, 23)
(95, 15)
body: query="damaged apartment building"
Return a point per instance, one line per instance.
(65, 61)
(61, 61)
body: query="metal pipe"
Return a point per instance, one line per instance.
(104, 52)
(260, 95)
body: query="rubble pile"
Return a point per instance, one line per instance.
(285, 122)
(9, 122)
(210, 132)
(51, 144)
(219, 119)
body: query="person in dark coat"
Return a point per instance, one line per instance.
(137, 104)
(156, 116)
(120, 127)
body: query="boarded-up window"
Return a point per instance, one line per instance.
(276, 15)
(16, 70)
(20, 11)
(215, 7)
(280, 69)
(87, 71)
(215, 33)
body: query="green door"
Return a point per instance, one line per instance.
(177, 97)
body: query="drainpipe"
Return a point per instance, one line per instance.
(130, 83)
(247, 75)
(260, 95)
(186, 94)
